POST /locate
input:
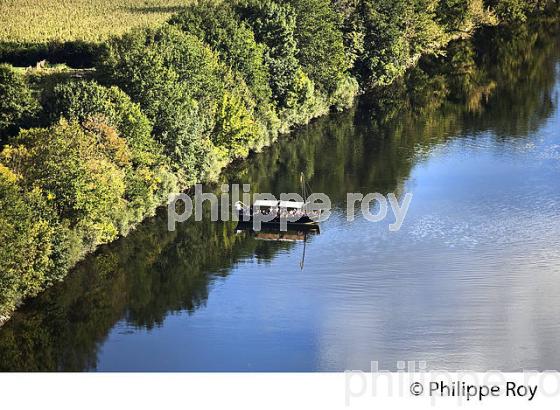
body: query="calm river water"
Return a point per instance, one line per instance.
(470, 282)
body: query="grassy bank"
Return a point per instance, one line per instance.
(89, 154)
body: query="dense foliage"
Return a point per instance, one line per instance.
(148, 176)
(202, 110)
(33, 245)
(320, 42)
(172, 105)
(219, 27)
(17, 103)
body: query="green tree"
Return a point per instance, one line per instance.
(517, 11)
(397, 33)
(219, 26)
(274, 25)
(320, 42)
(78, 172)
(33, 247)
(109, 110)
(138, 63)
(352, 28)
(179, 83)
(511, 11)
(82, 100)
(236, 128)
(453, 14)
(17, 103)
(462, 17)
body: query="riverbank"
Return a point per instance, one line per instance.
(174, 105)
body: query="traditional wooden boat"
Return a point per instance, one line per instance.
(273, 213)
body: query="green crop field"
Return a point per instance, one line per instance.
(39, 21)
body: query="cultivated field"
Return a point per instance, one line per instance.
(89, 20)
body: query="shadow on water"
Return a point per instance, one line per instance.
(505, 81)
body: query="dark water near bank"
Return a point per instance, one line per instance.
(471, 281)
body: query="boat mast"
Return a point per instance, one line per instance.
(305, 191)
(301, 181)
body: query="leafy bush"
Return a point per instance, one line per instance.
(512, 10)
(236, 129)
(346, 90)
(517, 11)
(453, 14)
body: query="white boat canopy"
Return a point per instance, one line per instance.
(266, 203)
(292, 204)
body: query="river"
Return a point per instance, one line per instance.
(470, 282)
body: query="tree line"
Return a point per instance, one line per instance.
(85, 159)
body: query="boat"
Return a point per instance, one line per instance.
(273, 213)
(293, 213)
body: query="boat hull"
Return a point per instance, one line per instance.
(304, 222)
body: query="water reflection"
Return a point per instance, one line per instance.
(470, 281)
